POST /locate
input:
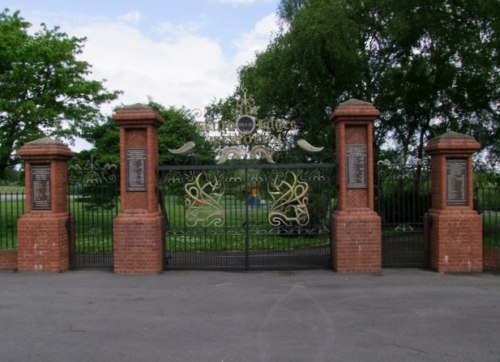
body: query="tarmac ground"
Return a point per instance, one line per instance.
(314, 315)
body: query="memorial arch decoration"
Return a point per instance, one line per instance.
(245, 210)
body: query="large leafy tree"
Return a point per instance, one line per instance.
(178, 129)
(44, 87)
(429, 66)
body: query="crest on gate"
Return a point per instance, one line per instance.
(246, 136)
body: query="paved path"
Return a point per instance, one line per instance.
(401, 315)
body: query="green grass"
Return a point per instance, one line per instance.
(8, 189)
(93, 228)
(209, 229)
(10, 210)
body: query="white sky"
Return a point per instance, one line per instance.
(180, 53)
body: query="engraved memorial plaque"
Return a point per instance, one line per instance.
(136, 169)
(356, 165)
(456, 182)
(40, 186)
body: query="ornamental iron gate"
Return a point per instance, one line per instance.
(253, 216)
(93, 203)
(403, 197)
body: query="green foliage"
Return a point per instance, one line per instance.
(44, 88)
(429, 66)
(178, 129)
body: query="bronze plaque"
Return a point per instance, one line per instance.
(456, 181)
(40, 186)
(136, 169)
(356, 165)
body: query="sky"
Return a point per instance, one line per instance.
(179, 53)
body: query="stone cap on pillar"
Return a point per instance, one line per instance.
(43, 149)
(452, 142)
(355, 110)
(137, 115)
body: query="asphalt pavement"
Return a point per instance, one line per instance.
(397, 315)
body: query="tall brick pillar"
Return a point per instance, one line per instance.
(137, 230)
(455, 228)
(43, 231)
(356, 226)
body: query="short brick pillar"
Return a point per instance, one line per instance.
(357, 240)
(454, 227)
(137, 230)
(43, 231)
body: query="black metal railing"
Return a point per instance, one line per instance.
(403, 196)
(257, 216)
(11, 209)
(487, 203)
(93, 203)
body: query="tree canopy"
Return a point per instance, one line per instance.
(178, 129)
(45, 88)
(429, 66)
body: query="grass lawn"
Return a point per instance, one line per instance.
(210, 228)
(11, 208)
(8, 189)
(94, 228)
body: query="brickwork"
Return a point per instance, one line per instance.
(8, 259)
(137, 231)
(356, 227)
(455, 230)
(43, 240)
(456, 243)
(491, 259)
(43, 243)
(138, 243)
(357, 242)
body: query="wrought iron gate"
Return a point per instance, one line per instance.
(93, 204)
(403, 197)
(259, 216)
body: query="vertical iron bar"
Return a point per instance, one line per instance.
(13, 218)
(247, 253)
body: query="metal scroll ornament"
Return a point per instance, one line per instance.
(203, 195)
(93, 173)
(290, 199)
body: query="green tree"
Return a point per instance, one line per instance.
(95, 172)
(178, 129)
(429, 66)
(44, 88)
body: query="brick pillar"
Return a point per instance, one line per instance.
(356, 226)
(137, 230)
(43, 231)
(455, 228)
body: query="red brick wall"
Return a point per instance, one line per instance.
(43, 243)
(138, 229)
(138, 243)
(357, 246)
(8, 259)
(456, 242)
(491, 259)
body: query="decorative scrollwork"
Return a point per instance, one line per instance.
(202, 202)
(93, 173)
(228, 151)
(290, 197)
(402, 170)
